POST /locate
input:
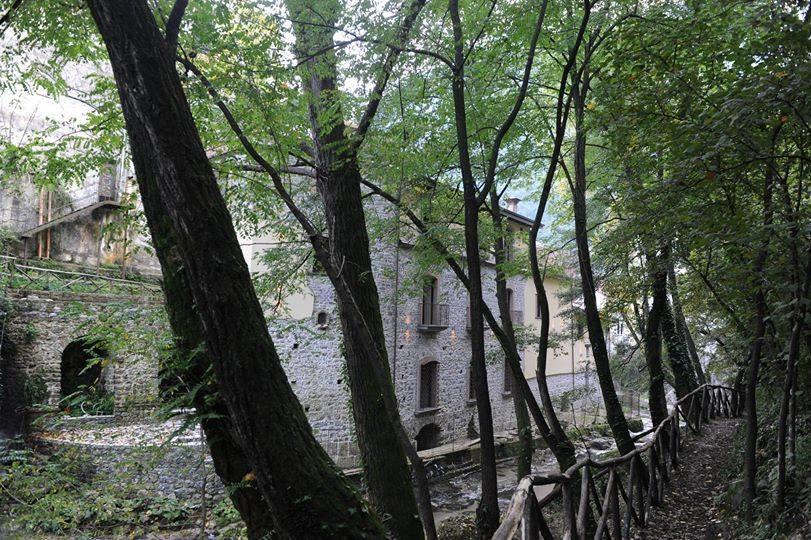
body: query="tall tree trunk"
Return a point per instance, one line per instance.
(756, 347)
(789, 386)
(681, 323)
(653, 341)
(307, 495)
(487, 513)
(556, 437)
(229, 460)
(339, 184)
(525, 449)
(613, 408)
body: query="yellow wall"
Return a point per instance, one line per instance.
(298, 305)
(559, 358)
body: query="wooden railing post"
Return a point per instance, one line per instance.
(674, 442)
(569, 525)
(529, 524)
(653, 489)
(705, 398)
(613, 495)
(583, 505)
(607, 504)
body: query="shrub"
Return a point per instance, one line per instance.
(35, 391)
(635, 425)
(61, 494)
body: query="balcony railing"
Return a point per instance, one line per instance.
(516, 316)
(432, 317)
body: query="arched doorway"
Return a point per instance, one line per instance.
(80, 367)
(428, 437)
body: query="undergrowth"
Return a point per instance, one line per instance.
(794, 521)
(62, 494)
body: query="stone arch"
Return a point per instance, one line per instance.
(428, 437)
(79, 366)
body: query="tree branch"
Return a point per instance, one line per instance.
(173, 25)
(386, 68)
(492, 162)
(278, 184)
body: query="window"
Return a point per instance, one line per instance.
(429, 300)
(508, 249)
(508, 378)
(322, 319)
(429, 384)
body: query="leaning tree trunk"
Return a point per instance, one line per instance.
(653, 342)
(229, 460)
(677, 354)
(306, 494)
(613, 408)
(525, 447)
(339, 184)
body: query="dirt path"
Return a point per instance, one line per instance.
(689, 511)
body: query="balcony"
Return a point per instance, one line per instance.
(432, 317)
(517, 317)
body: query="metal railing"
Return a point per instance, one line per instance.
(620, 505)
(20, 224)
(516, 316)
(432, 317)
(20, 275)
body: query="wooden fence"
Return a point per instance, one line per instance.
(20, 274)
(629, 485)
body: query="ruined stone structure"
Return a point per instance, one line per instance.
(42, 341)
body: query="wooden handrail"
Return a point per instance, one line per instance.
(645, 485)
(67, 278)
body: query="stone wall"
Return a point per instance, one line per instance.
(170, 471)
(315, 367)
(40, 326)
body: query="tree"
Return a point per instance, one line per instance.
(304, 491)
(615, 416)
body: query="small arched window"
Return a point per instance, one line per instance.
(322, 319)
(429, 384)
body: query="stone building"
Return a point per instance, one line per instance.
(78, 220)
(425, 316)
